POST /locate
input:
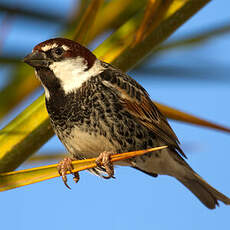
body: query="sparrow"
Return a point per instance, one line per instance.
(97, 110)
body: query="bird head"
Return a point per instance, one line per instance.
(64, 64)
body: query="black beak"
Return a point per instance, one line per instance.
(37, 59)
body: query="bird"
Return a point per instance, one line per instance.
(97, 110)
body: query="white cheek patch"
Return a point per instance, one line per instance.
(72, 74)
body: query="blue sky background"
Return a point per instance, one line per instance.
(135, 200)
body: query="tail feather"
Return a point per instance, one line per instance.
(169, 162)
(203, 191)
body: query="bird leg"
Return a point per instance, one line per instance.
(104, 160)
(63, 167)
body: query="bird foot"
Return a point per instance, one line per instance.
(104, 160)
(63, 167)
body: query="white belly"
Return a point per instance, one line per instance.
(86, 145)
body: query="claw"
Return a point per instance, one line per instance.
(63, 167)
(76, 177)
(104, 160)
(108, 177)
(65, 182)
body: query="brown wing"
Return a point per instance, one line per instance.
(136, 101)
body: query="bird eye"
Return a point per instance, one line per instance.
(58, 52)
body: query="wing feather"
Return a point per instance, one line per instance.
(136, 101)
